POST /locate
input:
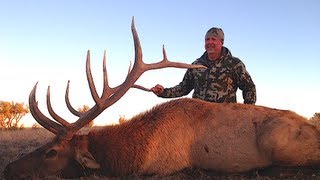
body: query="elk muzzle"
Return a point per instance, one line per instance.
(11, 174)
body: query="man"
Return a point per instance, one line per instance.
(219, 81)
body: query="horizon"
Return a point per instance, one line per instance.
(46, 42)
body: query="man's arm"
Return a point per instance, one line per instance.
(183, 88)
(246, 84)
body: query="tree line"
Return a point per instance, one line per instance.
(11, 114)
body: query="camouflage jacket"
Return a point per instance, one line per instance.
(218, 83)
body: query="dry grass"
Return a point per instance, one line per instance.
(13, 144)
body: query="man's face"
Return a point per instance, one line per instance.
(213, 45)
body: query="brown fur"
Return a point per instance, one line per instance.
(191, 133)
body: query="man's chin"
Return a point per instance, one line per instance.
(212, 52)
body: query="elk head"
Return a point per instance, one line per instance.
(68, 151)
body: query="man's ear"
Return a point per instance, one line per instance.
(86, 159)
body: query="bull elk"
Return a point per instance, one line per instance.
(171, 136)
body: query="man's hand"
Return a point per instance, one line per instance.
(158, 89)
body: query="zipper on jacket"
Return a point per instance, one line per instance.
(207, 82)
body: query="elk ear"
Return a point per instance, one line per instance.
(86, 159)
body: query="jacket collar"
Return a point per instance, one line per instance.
(225, 53)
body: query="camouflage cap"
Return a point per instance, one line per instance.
(217, 32)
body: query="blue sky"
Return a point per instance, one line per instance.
(46, 41)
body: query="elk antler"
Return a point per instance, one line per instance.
(109, 95)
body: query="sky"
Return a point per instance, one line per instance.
(46, 41)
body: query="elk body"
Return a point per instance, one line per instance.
(171, 136)
(193, 133)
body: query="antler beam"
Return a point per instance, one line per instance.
(109, 95)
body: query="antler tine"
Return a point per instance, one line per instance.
(137, 46)
(107, 91)
(92, 87)
(69, 106)
(39, 117)
(141, 87)
(130, 66)
(54, 115)
(164, 54)
(166, 63)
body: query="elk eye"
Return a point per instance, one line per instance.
(52, 153)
